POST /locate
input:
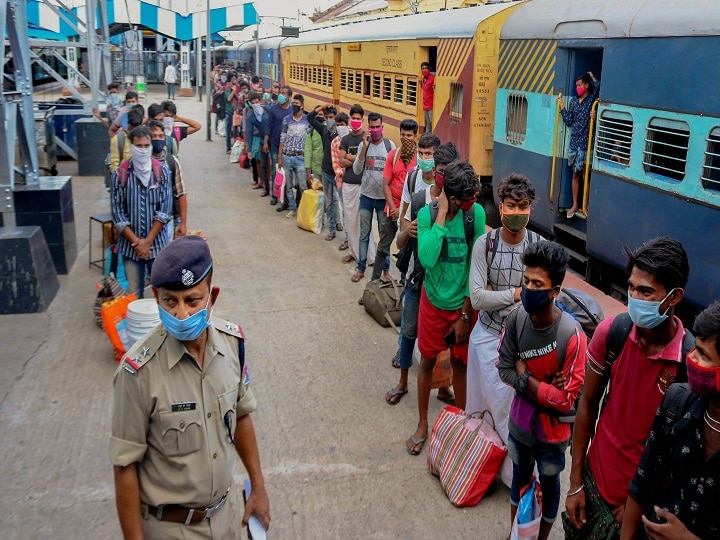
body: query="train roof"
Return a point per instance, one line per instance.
(265, 43)
(452, 23)
(597, 19)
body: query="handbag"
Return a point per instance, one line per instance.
(465, 453)
(310, 210)
(383, 301)
(526, 525)
(279, 185)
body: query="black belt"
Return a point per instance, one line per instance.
(293, 154)
(182, 514)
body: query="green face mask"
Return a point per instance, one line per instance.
(515, 222)
(425, 165)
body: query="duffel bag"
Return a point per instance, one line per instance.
(383, 302)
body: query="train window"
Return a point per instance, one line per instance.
(330, 77)
(358, 82)
(411, 96)
(376, 86)
(456, 101)
(325, 76)
(366, 85)
(387, 88)
(399, 87)
(516, 119)
(351, 81)
(711, 171)
(614, 137)
(666, 148)
(343, 80)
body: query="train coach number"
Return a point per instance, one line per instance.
(392, 62)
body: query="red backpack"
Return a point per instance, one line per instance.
(124, 170)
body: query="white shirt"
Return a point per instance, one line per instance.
(170, 75)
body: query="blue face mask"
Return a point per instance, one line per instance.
(158, 146)
(645, 313)
(535, 300)
(282, 99)
(187, 329)
(425, 165)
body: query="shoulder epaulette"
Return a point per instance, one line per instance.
(228, 328)
(143, 351)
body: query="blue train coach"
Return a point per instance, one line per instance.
(654, 166)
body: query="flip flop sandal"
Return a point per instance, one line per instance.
(357, 276)
(395, 393)
(414, 450)
(347, 259)
(449, 400)
(330, 237)
(343, 246)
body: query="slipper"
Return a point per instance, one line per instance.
(414, 450)
(347, 259)
(343, 246)
(570, 214)
(450, 400)
(357, 276)
(389, 399)
(330, 237)
(339, 228)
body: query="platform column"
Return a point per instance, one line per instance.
(185, 88)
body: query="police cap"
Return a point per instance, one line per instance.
(182, 264)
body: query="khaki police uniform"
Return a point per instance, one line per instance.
(176, 421)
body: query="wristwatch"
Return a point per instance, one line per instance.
(465, 317)
(523, 381)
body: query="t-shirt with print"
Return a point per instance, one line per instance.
(372, 169)
(350, 143)
(293, 134)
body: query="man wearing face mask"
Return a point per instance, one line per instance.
(538, 339)
(176, 126)
(113, 103)
(496, 276)
(120, 143)
(141, 201)
(674, 493)
(423, 176)
(121, 121)
(255, 120)
(370, 163)
(178, 225)
(271, 145)
(291, 154)
(181, 412)
(341, 126)
(639, 355)
(328, 132)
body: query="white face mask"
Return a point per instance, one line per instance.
(168, 123)
(142, 163)
(342, 130)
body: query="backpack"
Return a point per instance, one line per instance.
(492, 241)
(382, 300)
(219, 105)
(404, 255)
(120, 139)
(172, 166)
(124, 170)
(583, 308)
(678, 400)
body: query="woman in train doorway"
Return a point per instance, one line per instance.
(577, 118)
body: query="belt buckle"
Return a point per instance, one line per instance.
(212, 509)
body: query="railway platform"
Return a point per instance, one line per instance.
(332, 450)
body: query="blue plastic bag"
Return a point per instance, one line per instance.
(527, 521)
(114, 265)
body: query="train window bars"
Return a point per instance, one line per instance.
(666, 148)
(711, 171)
(351, 81)
(343, 80)
(399, 90)
(376, 86)
(411, 96)
(456, 102)
(387, 88)
(614, 137)
(358, 82)
(516, 118)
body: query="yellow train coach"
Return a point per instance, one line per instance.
(377, 64)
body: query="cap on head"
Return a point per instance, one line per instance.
(182, 264)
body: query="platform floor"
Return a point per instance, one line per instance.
(332, 451)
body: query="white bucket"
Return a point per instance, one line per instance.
(142, 317)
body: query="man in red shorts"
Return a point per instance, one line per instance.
(446, 315)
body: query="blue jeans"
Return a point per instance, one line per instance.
(137, 273)
(171, 90)
(550, 464)
(408, 326)
(295, 176)
(332, 201)
(367, 206)
(228, 131)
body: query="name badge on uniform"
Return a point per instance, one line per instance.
(180, 407)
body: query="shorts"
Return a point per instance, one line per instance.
(433, 324)
(576, 159)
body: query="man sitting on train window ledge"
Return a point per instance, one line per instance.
(428, 94)
(271, 145)
(370, 162)
(291, 154)
(121, 120)
(577, 118)
(637, 372)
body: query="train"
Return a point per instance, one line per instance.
(654, 161)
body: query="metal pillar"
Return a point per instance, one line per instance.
(16, 112)
(198, 68)
(208, 85)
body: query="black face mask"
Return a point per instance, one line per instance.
(295, 108)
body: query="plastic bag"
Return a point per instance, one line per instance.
(236, 151)
(527, 520)
(113, 315)
(221, 127)
(310, 210)
(279, 185)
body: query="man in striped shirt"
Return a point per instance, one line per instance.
(141, 200)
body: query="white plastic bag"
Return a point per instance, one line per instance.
(221, 128)
(527, 520)
(236, 151)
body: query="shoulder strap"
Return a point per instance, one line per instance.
(491, 245)
(396, 155)
(687, 346)
(121, 144)
(412, 181)
(171, 163)
(122, 172)
(676, 403)
(417, 202)
(434, 209)
(157, 170)
(469, 217)
(615, 340)
(388, 146)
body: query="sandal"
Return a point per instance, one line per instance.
(347, 259)
(339, 228)
(357, 276)
(343, 246)
(393, 396)
(330, 237)
(416, 447)
(450, 400)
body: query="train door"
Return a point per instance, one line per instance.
(580, 61)
(428, 53)
(337, 69)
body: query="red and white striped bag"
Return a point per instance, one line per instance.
(465, 453)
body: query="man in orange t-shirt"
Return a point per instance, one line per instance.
(428, 94)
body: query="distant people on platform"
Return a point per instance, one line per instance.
(427, 81)
(141, 199)
(342, 128)
(169, 80)
(577, 117)
(637, 356)
(370, 165)
(314, 148)
(446, 315)
(542, 357)
(178, 225)
(496, 278)
(271, 145)
(255, 125)
(120, 143)
(676, 487)
(291, 153)
(230, 101)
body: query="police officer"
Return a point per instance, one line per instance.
(181, 411)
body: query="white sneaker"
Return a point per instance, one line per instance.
(291, 214)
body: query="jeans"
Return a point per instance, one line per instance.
(171, 90)
(550, 464)
(265, 177)
(332, 201)
(228, 131)
(388, 229)
(295, 176)
(137, 273)
(408, 325)
(367, 206)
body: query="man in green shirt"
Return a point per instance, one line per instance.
(446, 315)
